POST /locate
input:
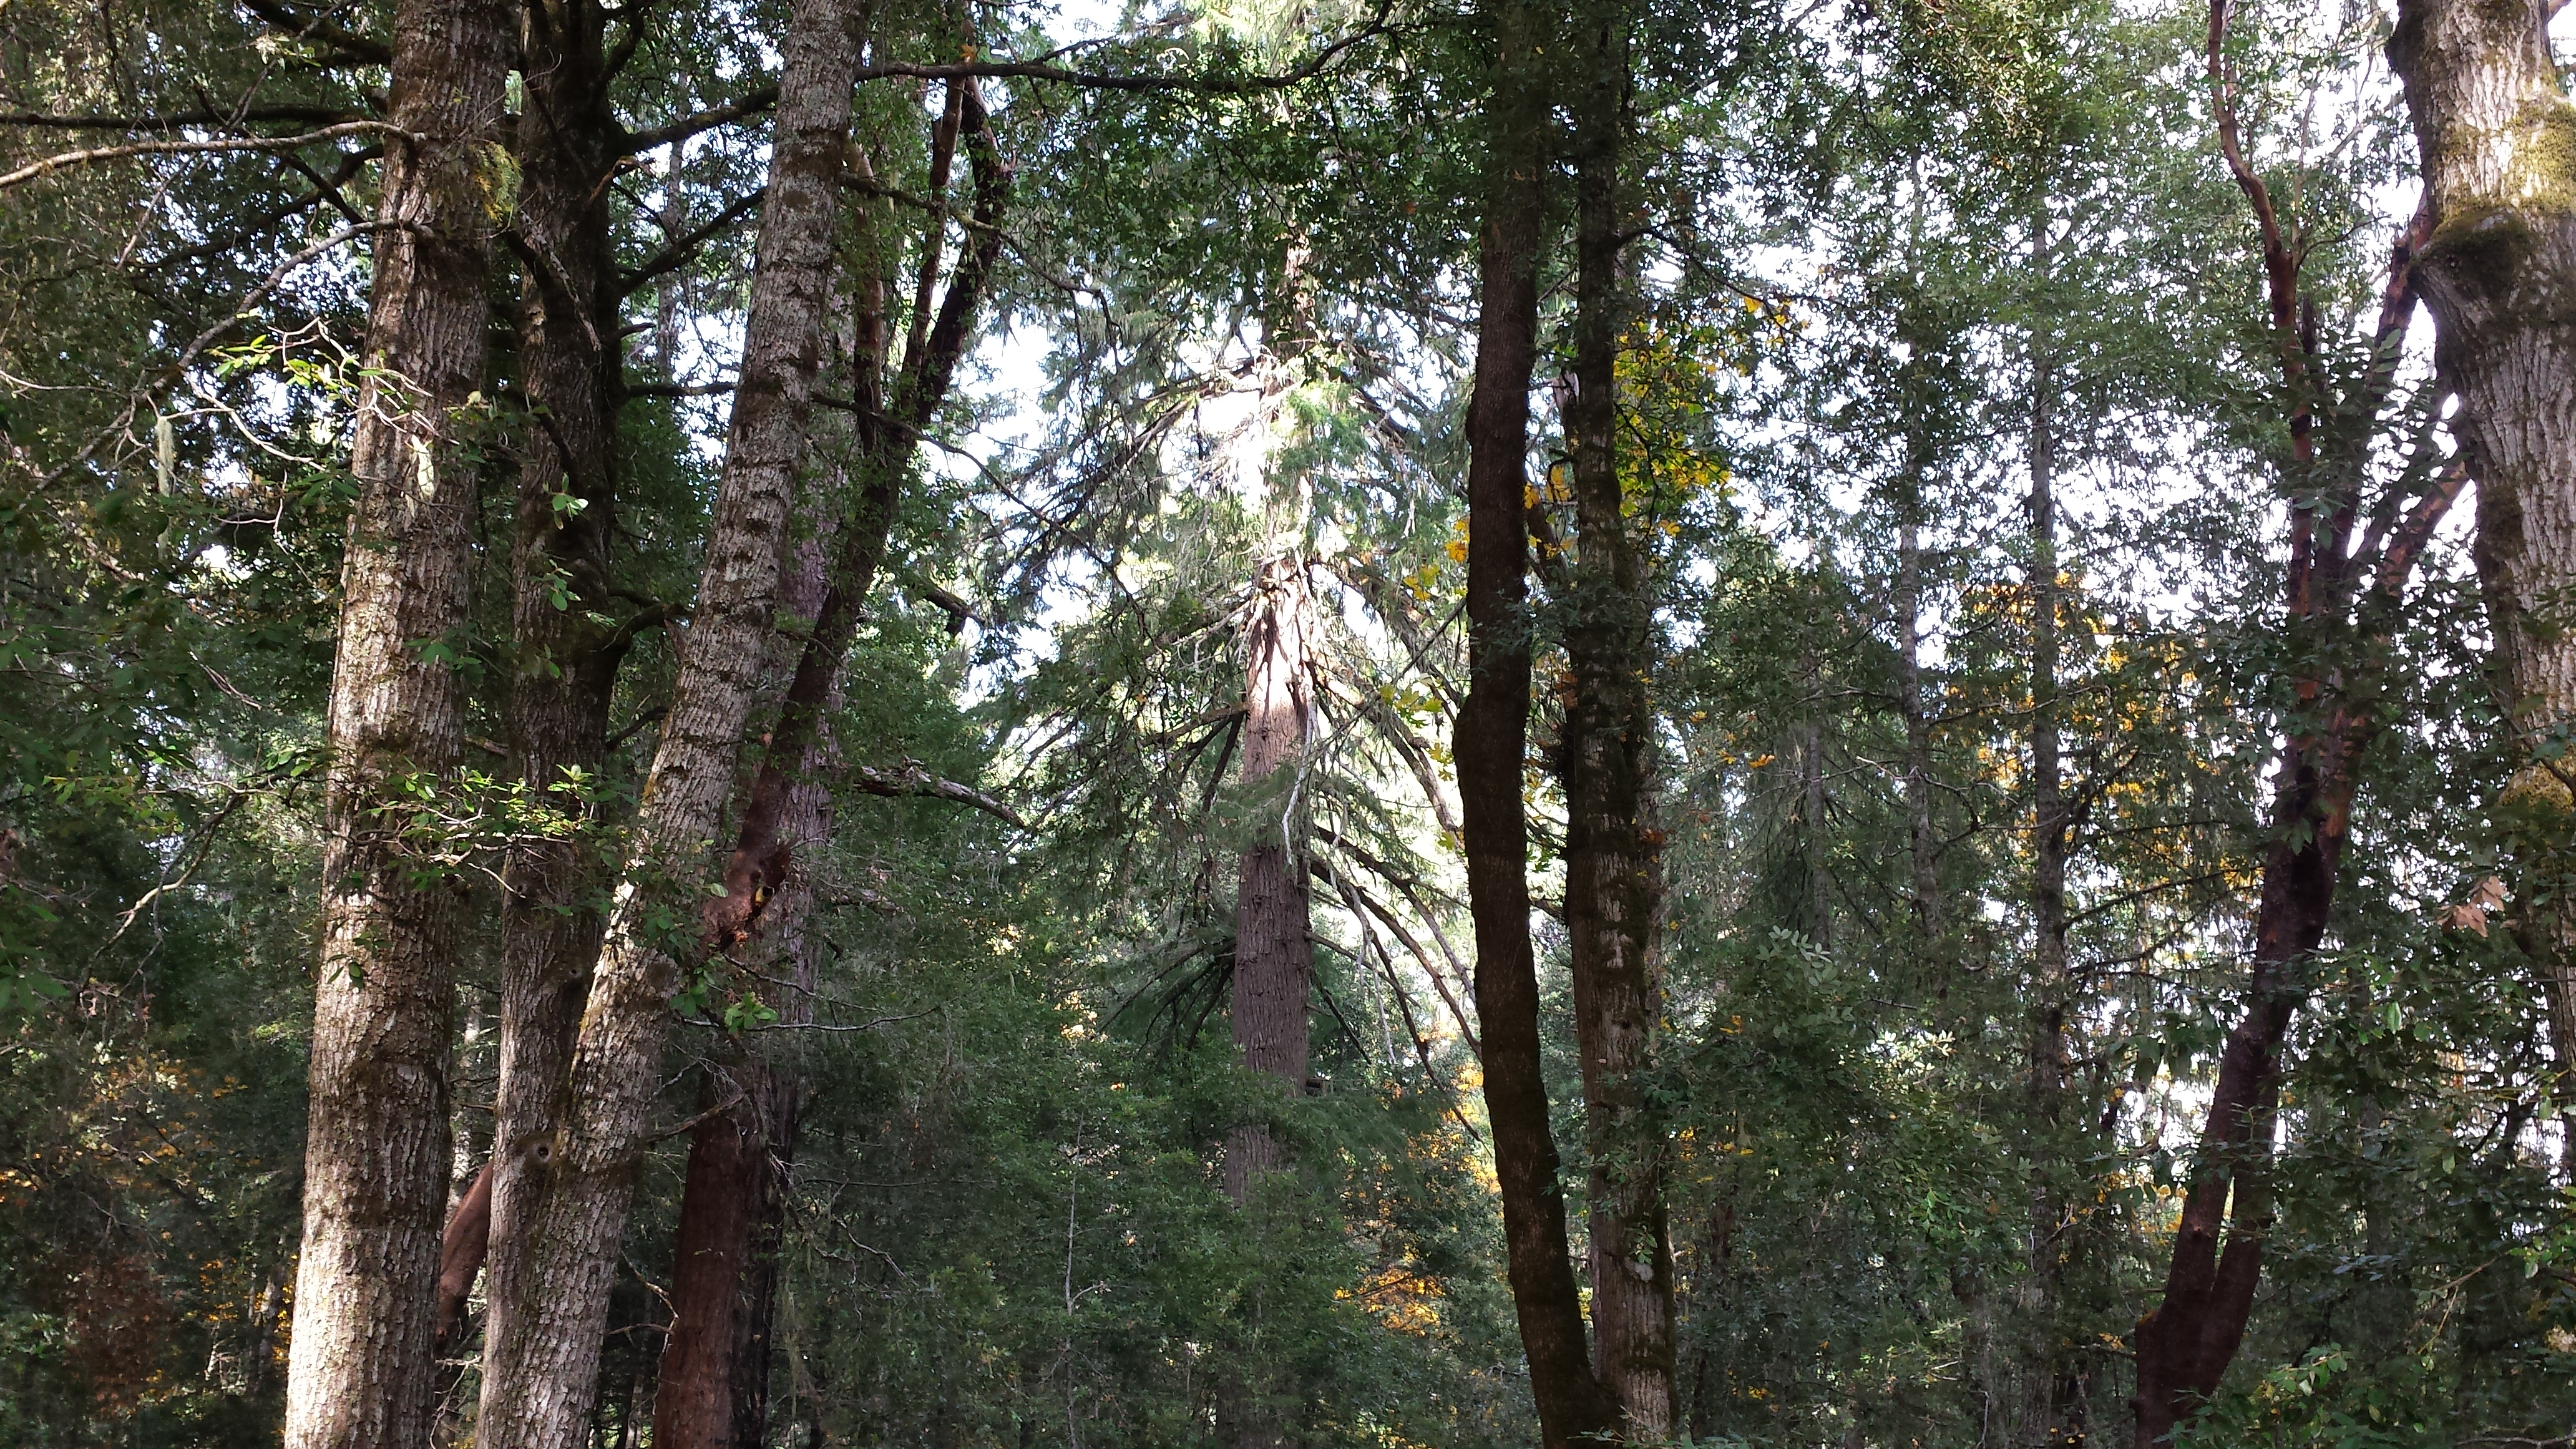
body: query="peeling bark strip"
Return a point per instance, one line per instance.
(2345, 583)
(1491, 740)
(563, 663)
(1273, 938)
(2497, 136)
(1613, 860)
(376, 1147)
(542, 1345)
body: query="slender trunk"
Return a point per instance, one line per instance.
(563, 660)
(1273, 940)
(2046, 1418)
(361, 1367)
(1922, 843)
(714, 1377)
(2341, 602)
(2491, 120)
(542, 1343)
(1613, 868)
(711, 1389)
(1491, 741)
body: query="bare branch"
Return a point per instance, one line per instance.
(52, 164)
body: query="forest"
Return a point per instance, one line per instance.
(1399, 723)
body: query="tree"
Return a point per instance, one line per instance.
(375, 1165)
(550, 1300)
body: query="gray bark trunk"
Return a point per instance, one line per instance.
(542, 1343)
(2042, 1415)
(2493, 125)
(361, 1370)
(563, 663)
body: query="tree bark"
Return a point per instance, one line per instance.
(2042, 1407)
(714, 1377)
(1613, 863)
(1491, 741)
(1273, 937)
(542, 1342)
(2493, 127)
(361, 1366)
(563, 661)
(2345, 581)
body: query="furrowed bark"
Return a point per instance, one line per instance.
(1613, 860)
(542, 1343)
(1273, 930)
(2493, 124)
(711, 1386)
(714, 1377)
(1273, 944)
(563, 662)
(361, 1366)
(1491, 741)
(890, 419)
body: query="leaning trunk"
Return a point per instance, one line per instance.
(713, 1388)
(1492, 739)
(1613, 869)
(360, 1371)
(541, 1355)
(2492, 121)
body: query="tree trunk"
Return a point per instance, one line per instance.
(2492, 121)
(712, 1387)
(1491, 741)
(563, 662)
(542, 1343)
(1613, 866)
(1922, 841)
(714, 1375)
(2039, 1405)
(361, 1367)
(1273, 940)
(2341, 599)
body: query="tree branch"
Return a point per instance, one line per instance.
(751, 104)
(677, 254)
(51, 164)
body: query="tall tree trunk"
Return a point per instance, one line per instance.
(1613, 867)
(2040, 1405)
(2492, 118)
(2345, 580)
(563, 661)
(1273, 936)
(548, 1313)
(1491, 740)
(713, 1387)
(1274, 945)
(1922, 840)
(361, 1366)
